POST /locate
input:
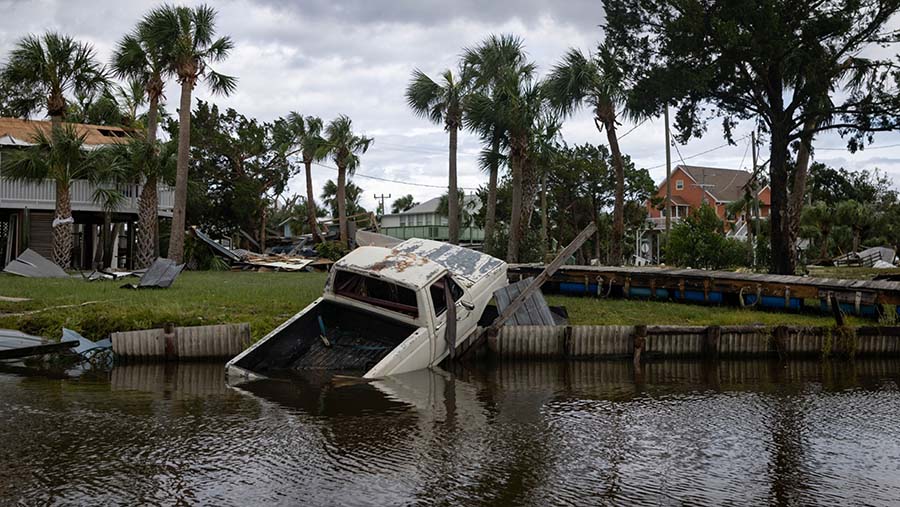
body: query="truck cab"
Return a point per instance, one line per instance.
(387, 310)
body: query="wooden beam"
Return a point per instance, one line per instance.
(527, 291)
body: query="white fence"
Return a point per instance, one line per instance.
(42, 196)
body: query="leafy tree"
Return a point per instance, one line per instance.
(308, 134)
(238, 166)
(597, 80)
(795, 67)
(832, 186)
(185, 38)
(59, 155)
(48, 68)
(352, 194)
(404, 203)
(345, 147)
(485, 67)
(441, 103)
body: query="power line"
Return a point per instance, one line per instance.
(633, 129)
(866, 149)
(697, 154)
(388, 180)
(741, 166)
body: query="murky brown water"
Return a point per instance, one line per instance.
(538, 434)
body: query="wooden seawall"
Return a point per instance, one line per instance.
(860, 297)
(583, 342)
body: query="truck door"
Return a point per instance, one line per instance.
(442, 292)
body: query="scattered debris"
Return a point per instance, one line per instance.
(256, 262)
(31, 264)
(880, 264)
(7, 299)
(112, 275)
(97, 354)
(16, 344)
(534, 312)
(32, 312)
(220, 250)
(868, 257)
(160, 275)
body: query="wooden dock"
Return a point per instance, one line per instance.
(716, 287)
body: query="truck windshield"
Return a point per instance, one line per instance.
(376, 292)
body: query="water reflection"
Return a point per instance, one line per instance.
(754, 432)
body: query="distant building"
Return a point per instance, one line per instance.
(26, 208)
(424, 221)
(693, 186)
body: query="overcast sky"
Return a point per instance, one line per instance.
(355, 57)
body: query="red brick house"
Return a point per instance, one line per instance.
(692, 186)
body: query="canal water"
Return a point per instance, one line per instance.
(550, 433)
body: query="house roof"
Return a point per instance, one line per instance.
(679, 201)
(725, 185)
(472, 203)
(19, 132)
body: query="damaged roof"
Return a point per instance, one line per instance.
(416, 262)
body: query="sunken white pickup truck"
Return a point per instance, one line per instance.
(384, 311)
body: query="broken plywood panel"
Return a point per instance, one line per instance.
(535, 311)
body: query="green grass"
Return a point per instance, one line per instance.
(585, 310)
(265, 300)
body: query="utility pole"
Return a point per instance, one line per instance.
(755, 208)
(382, 197)
(668, 176)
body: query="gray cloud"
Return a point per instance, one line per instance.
(355, 56)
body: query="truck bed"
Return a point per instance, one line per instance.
(358, 340)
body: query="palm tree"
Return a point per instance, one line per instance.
(598, 81)
(185, 38)
(858, 217)
(50, 67)
(352, 195)
(345, 147)
(484, 67)
(402, 204)
(61, 156)
(441, 103)
(519, 117)
(820, 219)
(308, 135)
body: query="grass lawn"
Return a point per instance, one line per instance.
(854, 273)
(265, 300)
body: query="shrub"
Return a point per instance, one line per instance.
(333, 250)
(699, 242)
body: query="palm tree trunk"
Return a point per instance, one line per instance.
(147, 224)
(512, 246)
(148, 227)
(179, 213)
(62, 227)
(490, 218)
(106, 241)
(824, 251)
(452, 197)
(342, 205)
(311, 203)
(607, 116)
(545, 247)
(263, 219)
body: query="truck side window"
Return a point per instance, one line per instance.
(376, 292)
(437, 294)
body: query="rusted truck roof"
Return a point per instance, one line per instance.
(416, 262)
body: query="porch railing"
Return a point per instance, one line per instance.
(42, 196)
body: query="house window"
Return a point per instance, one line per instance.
(679, 184)
(419, 220)
(427, 219)
(402, 221)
